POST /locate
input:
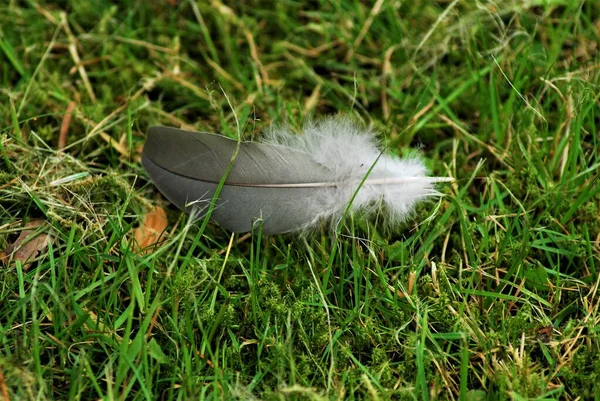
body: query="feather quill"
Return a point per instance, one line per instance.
(287, 181)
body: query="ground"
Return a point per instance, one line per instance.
(490, 292)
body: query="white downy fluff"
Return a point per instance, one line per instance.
(349, 151)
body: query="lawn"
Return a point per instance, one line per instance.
(489, 292)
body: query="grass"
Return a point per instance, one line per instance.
(490, 293)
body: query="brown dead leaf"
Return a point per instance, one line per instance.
(149, 232)
(28, 245)
(3, 387)
(545, 333)
(66, 124)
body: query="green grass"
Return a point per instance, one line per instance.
(455, 305)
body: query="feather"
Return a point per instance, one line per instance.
(288, 181)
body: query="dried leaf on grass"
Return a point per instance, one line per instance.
(3, 386)
(28, 245)
(66, 124)
(149, 232)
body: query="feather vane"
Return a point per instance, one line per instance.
(287, 181)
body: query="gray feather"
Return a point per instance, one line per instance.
(269, 182)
